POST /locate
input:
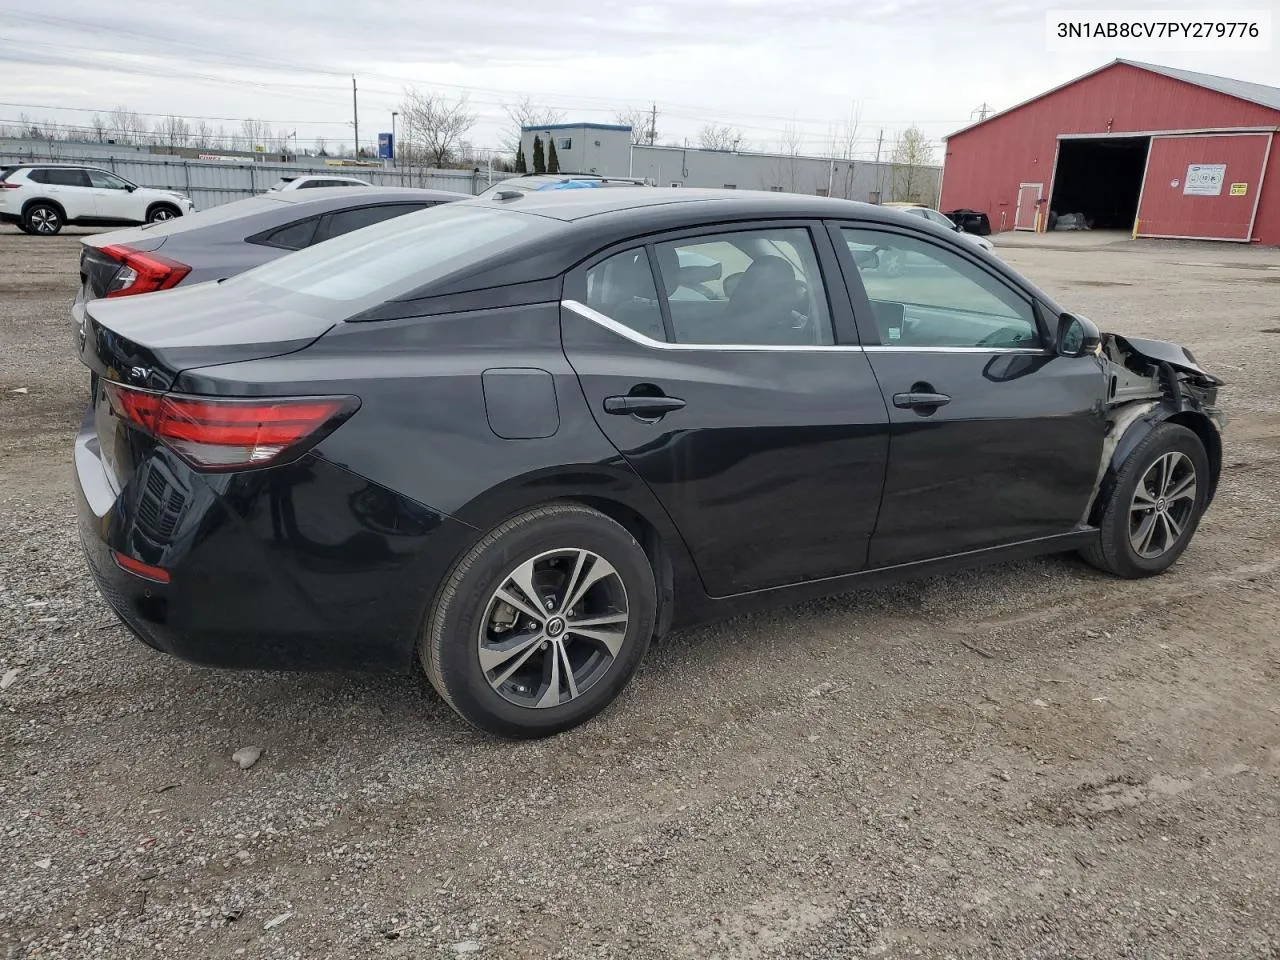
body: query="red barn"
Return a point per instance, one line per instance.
(1132, 146)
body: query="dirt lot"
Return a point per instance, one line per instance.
(1030, 761)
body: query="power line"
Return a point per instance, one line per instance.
(185, 116)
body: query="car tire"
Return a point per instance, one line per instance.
(521, 687)
(162, 212)
(42, 219)
(1150, 513)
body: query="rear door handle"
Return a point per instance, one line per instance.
(908, 401)
(641, 406)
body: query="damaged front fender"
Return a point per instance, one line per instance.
(1150, 382)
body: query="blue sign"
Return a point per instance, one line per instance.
(386, 147)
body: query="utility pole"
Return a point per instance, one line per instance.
(983, 111)
(653, 123)
(879, 169)
(355, 116)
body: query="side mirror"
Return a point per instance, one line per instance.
(131, 188)
(1077, 336)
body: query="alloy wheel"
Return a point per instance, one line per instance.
(1164, 503)
(44, 220)
(553, 628)
(161, 215)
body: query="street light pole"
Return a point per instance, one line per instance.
(394, 114)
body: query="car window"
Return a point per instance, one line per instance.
(358, 270)
(57, 176)
(68, 178)
(923, 295)
(939, 219)
(295, 236)
(622, 288)
(106, 181)
(756, 287)
(344, 221)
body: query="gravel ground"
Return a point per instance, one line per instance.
(1028, 761)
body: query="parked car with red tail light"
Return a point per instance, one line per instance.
(229, 239)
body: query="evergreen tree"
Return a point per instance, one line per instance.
(553, 161)
(539, 165)
(521, 165)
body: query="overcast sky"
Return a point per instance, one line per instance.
(754, 64)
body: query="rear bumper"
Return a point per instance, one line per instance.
(300, 567)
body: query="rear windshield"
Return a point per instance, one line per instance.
(378, 263)
(222, 213)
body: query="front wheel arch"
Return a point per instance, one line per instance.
(1195, 421)
(159, 205)
(1203, 427)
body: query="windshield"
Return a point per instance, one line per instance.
(389, 259)
(219, 214)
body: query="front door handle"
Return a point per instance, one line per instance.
(914, 400)
(641, 406)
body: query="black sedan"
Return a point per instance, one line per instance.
(509, 441)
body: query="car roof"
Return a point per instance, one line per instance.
(575, 205)
(263, 211)
(373, 194)
(42, 164)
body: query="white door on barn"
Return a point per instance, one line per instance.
(1029, 194)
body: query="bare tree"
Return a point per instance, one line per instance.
(844, 144)
(786, 167)
(714, 136)
(319, 147)
(525, 113)
(434, 127)
(201, 136)
(99, 128)
(173, 132)
(912, 153)
(643, 124)
(126, 126)
(255, 135)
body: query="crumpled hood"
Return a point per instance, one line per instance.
(1161, 351)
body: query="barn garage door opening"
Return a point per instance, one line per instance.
(1100, 178)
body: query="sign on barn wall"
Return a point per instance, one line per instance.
(1205, 179)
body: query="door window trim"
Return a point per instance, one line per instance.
(622, 330)
(862, 312)
(840, 312)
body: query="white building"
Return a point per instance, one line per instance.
(606, 150)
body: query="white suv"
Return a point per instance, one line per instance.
(303, 183)
(43, 198)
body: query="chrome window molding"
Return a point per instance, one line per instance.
(622, 330)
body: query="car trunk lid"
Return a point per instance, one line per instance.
(147, 342)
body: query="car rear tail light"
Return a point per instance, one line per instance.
(9, 186)
(142, 272)
(219, 434)
(140, 569)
